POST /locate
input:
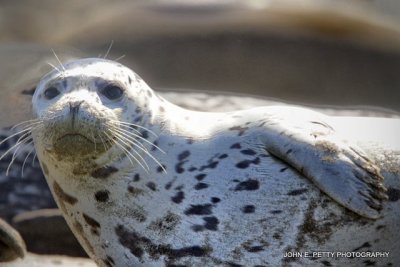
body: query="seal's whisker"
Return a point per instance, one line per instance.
(22, 140)
(127, 152)
(94, 140)
(120, 138)
(17, 133)
(130, 125)
(26, 158)
(33, 160)
(136, 144)
(54, 67)
(128, 133)
(129, 128)
(102, 141)
(119, 58)
(17, 151)
(109, 49)
(29, 122)
(59, 61)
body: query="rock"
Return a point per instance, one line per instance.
(49, 261)
(46, 232)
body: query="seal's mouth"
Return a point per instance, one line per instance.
(72, 136)
(77, 145)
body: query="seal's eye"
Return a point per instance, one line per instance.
(112, 92)
(51, 93)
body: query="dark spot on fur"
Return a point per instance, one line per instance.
(161, 109)
(169, 184)
(79, 229)
(236, 146)
(200, 186)
(231, 264)
(135, 191)
(90, 221)
(369, 263)
(254, 249)
(64, 197)
(223, 156)
(241, 130)
(393, 194)
(129, 80)
(326, 263)
(200, 176)
(199, 210)
(197, 228)
(211, 165)
(183, 155)
(276, 236)
(102, 195)
(248, 152)
(165, 224)
(379, 227)
(289, 151)
(179, 197)
(246, 163)
(249, 184)
(215, 200)
(192, 169)
(297, 192)
(365, 245)
(103, 172)
(179, 187)
(137, 119)
(136, 178)
(275, 211)
(179, 168)
(283, 169)
(152, 186)
(211, 223)
(138, 245)
(160, 169)
(154, 146)
(145, 134)
(248, 209)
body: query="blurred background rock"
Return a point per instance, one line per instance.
(314, 52)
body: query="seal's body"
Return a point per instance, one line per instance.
(142, 182)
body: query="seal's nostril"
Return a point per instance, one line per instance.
(74, 106)
(74, 109)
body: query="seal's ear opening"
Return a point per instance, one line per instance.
(12, 246)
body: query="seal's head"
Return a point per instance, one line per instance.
(84, 106)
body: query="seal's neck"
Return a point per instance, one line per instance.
(168, 118)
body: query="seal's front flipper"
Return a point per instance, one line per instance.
(340, 170)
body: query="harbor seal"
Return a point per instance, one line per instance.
(142, 182)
